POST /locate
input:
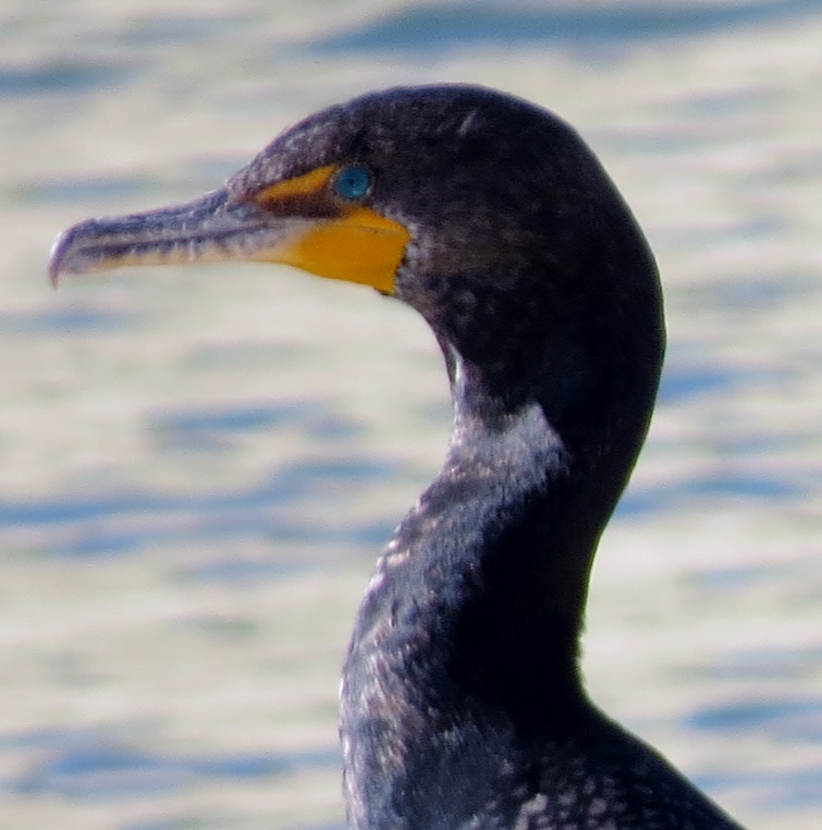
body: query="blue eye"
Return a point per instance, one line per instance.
(352, 183)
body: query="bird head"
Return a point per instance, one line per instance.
(485, 213)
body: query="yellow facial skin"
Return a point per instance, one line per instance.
(357, 245)
(298, 221)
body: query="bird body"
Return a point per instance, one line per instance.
(462, 704)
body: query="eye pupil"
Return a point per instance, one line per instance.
(352, 182)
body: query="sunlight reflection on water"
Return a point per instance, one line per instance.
(200, 467)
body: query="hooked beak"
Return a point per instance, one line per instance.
(330, 238)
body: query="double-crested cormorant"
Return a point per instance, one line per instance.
(461, 704)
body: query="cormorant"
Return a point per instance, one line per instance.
(462, 706)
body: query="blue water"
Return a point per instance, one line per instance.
(227, 480)
(429, 27)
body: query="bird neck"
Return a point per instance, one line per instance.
(470, 625)
(492, 563)
(524, 494)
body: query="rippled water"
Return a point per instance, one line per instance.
(199, 466)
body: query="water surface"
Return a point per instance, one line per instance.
(199, 467)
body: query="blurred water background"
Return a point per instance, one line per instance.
(200, 466)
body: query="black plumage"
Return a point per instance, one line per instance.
(461, 703)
